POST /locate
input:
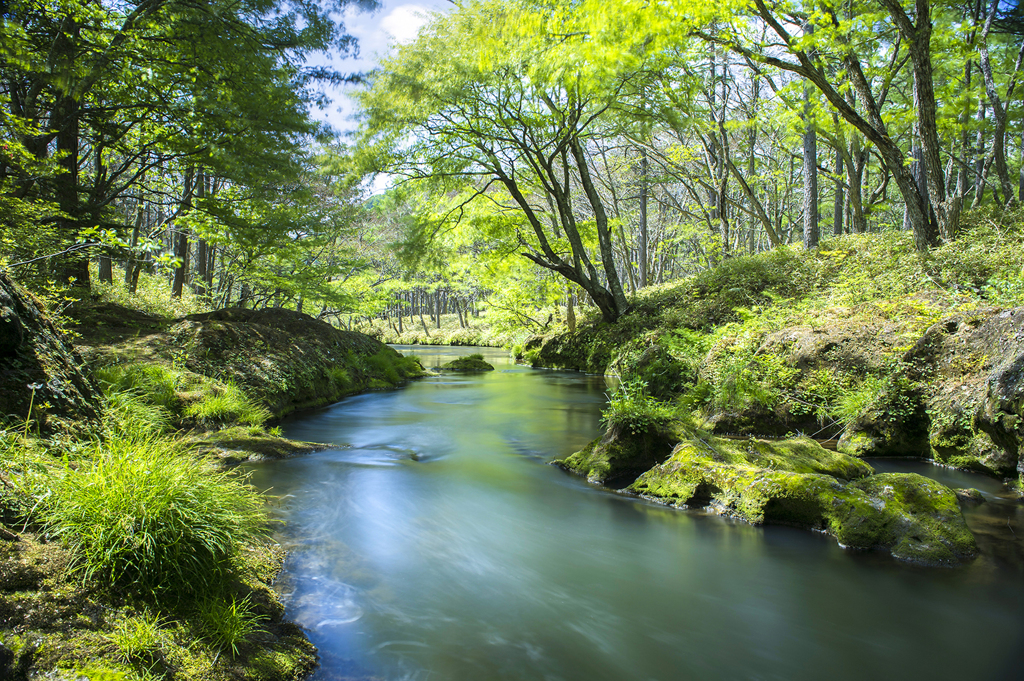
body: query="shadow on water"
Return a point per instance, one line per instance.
(437, 544)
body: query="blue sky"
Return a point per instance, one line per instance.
(397, 21)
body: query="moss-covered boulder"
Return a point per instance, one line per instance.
(972, 365)
(618, 457)
(470, 364)
(797, 482)
(39, 369)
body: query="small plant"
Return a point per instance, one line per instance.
(138, 639)
(857, 402)
(226, 624)
(339, 376)
(142, 514)
(629, 406)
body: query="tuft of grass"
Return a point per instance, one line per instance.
(139, 639)
(226, 623)
(629, 406)
(130, 412)
(141, 514)
(339, 376)
(225, 403)
(160, 384)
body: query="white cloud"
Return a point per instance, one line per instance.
(404, 22)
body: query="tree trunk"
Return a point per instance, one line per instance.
(839, 204)
(570, 313)
(810, 158)
(644, 267)
(181, 243)
(71, 267)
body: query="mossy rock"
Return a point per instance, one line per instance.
(40, 371)
(619, 456)
(470, 364)
(797, 482)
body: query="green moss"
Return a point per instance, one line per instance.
(472, 363)
(797, 482)
(621, 456)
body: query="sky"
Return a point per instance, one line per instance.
(397, 21)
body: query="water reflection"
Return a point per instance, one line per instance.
(434, 543)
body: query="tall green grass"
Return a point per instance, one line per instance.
(225, 403)
(133, 389)
(142, 514)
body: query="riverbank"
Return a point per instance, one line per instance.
(450, 329)
(891, 352)
(129, 549)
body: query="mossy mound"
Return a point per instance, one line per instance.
(797, 482)
(39, 370)
(973, 366)
(470, 364)
(287, 359)
(283, 359)
(862, 340)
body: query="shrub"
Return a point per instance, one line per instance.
(142, 514)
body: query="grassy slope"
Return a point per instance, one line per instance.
(111, 608)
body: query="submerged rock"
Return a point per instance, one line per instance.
(469, 364)
(797, 482)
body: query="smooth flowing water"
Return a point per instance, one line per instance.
(434, 542)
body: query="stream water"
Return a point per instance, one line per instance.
(435, 543)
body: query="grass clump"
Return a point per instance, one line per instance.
(630, 407)
(225, 403)
(148, 394)
(140, 513)
(226, 622)
(139, 639)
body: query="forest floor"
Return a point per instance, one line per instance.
(199, 392)
(883, 351)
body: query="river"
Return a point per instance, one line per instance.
(433, 542)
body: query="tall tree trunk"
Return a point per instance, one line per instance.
(810, 159)
(839, 204)
(181, 242)
(644, 267)
(998, 110)
(1020, 192)
(71, 267)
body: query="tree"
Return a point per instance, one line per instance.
(484, 100)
